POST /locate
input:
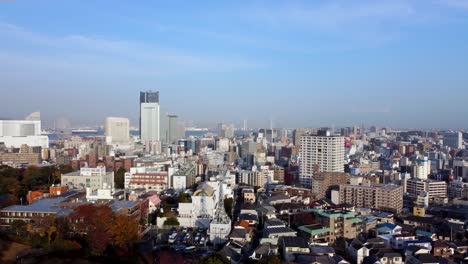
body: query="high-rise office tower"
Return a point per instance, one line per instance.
(170, 129)
(117, 129)
(323, 152)
(149, 116)
(453, 140)
(173, 128)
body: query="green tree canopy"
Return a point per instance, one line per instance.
(184, 198)
(120, 178)
(171, 221)
(213, 259)
(270, 260)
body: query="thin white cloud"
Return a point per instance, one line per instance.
(331, 15)
(456, 3)
(99, 49)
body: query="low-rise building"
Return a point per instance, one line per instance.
(148, 178)
(249, 195)
(293, 245)
(433, 188)
(94, 178)
(341, 223)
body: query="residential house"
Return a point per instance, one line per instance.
(293, 245)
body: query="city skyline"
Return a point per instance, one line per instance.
(263, 131)
(328, 63)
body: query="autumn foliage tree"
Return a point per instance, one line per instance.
(123, 232)
(93, 221)
(103, 228)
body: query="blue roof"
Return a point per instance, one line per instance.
(421, 239)
(48, 205)
(387, 225)
(117, 205)
(383, 229)
(424, 233)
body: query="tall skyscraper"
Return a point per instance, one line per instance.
(173, 128)
(170, 130)
(453, 140)
(323, 152)
(117, 129)
(149, 116)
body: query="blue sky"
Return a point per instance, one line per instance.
(391, 63)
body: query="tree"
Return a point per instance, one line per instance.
(228, 205)
(166, 207)
(124, 230)
(60, 245)
(120, 178)
(270, 260)
(103, 228)
(171, 221)
(63, 227)
(34, 177)
(19, 227)
(94, 221)
(256, 188)
(64, 169)
(184, 198)
(10, 186)
(213, 259)
(59, 171)
(9, 172)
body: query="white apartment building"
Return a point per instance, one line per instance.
(422, 168)
(93, 178)
(433, 188)
(320, 153)
(117, 130)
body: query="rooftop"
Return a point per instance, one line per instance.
(314, 229)
(333, 213)
(117, 205)
(274, 222)
(322, 250)
(47, 205)
(294, 242)
(204, 189)
(278, 230)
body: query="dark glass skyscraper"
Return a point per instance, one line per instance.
(149, 97)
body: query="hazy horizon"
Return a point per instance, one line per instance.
(399, 64)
